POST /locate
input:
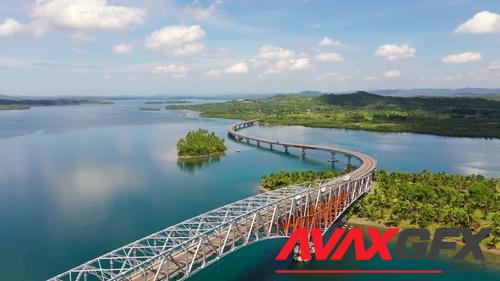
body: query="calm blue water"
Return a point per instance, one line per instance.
(78, 181)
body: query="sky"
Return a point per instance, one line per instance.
(166, 47)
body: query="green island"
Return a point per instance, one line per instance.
(422, 199)
(149, 109)
(23, 104)
(200, 143)
(447, 116)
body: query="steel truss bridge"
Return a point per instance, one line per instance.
(181, 250)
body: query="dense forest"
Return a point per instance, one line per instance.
(283, 178)
(450, 116)
(420, 199)
(200, 143)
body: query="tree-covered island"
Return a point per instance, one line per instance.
(200, 143)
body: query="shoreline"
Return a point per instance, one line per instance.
(199, 157)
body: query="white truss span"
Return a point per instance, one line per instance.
(181, 250)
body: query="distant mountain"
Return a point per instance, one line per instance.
(438, 92)
(311, 93)
(436, 103)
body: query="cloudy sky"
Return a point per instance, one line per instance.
(111, 47)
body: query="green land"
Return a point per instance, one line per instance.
(447, 116)
(200, 143)
(421, 199)
(149, 109)
(22, 104)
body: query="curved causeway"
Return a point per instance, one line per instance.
(181, 250)
(368, 164)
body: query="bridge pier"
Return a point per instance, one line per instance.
(286, 148)
(258, 143)
(248, 140)
(349, 160)
(303, 152)
(271, 146)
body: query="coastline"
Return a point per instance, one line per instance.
(199, 157)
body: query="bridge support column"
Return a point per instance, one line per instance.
(303, 152)
(258, 143)
(286, 149)
(349, 160)
(332, 160)
(271, 146)
(248, 140)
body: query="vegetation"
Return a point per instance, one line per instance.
(449, 116)
(421, 199)
(284, 178)
(9, 104)
(149, 109)
(200, 143)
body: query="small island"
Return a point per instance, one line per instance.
(200, 144)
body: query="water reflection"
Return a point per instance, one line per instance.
(191, 165)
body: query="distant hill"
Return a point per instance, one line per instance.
(311, 93)
(434, 103)
(438, 92)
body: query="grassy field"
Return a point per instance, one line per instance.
(447, 116)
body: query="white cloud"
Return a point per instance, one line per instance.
(277, 59)
(393, 73)
(270, 71)
(198, 12)
(176, 71)
(79, 51)
(237, 68)
(494, 65)
(372, 78)
(270, 52)
(10, 27)
(482, 22)
(122, 49)
(87, 14)
(212, 73)
(39, 27)
(81, 37)
(462, 58)
(295, 64)
(329, 57)
(177, 40)
(395, 52)
(328, 42)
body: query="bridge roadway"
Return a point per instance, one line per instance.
(179, 251)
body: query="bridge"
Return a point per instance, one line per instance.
(181, 250)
